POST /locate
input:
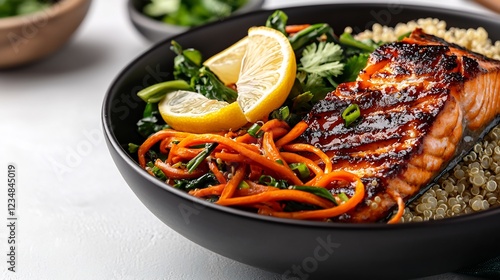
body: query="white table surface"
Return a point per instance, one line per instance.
(77, 218)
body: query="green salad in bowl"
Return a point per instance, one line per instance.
(191, 12)
(158, 19)
(9, 8)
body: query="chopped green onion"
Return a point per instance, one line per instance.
(199, 158)
(179, 164)
(347, 39)
(132, 148)
(243, 185)
(154, 93)
(351, 114)
(281, 114)
(405, 35)
(199, 146)
(319, 191)
(270, 181)
(279, 161)
(156, 171)
(267, 180)
(193, 55)
(301, 168)
(255, 131)
(343, 197)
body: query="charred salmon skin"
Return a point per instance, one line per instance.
(421, 100)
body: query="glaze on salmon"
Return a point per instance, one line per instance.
(421, 99)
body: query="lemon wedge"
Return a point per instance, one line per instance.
(267, 72)
(227, 63)
(192, 112)
(263, 67)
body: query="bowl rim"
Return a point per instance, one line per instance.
(110, 136)
(54, 10)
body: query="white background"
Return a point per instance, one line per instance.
(77, 217)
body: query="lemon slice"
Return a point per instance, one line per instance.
(267, 72)
(226, 64)
(192, 112)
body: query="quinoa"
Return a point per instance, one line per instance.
(474, 184)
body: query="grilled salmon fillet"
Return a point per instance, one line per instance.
(421, 99)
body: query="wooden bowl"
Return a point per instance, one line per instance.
(28, 38)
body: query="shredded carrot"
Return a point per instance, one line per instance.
(310, 148)
(245, 160)
(246, 138)
(215, 169)
(254, 188)
(296, 131)
(230, 157)
(255, 172)
(177, 173)
(270, 150)
(332, 211)
(253, 156)
(213, 190)
(267, 126)
(401, 208)
(185, 153)
(295, 195)
(233, 184)
(290, 29)
(152, 140)
(295, 158)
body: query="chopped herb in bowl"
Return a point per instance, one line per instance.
(191, 12)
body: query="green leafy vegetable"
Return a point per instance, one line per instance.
(186, 63)
(199, 183)
(319, 64)
(348, 40)
(278, 21)
(321, 192)
(191, 12)
(322, 59)
(311, 34)
(211, 87)
(353, 66)
(188, 66)
(151, 121)
(10, 8)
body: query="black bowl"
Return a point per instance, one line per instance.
(155, 30)
(296, 249)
